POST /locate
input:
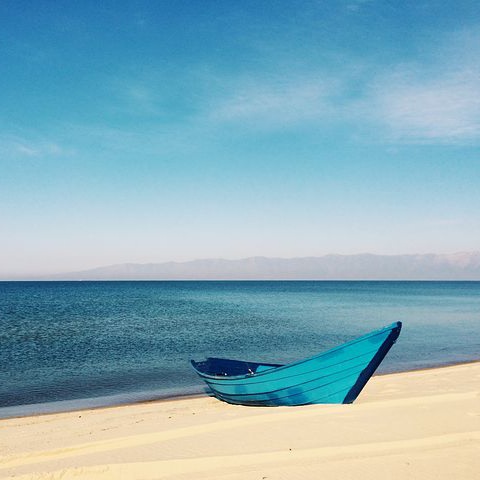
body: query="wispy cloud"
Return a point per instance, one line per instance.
(21, 146)
(445, 109)
(132, 96)
(282, 102)
(356, 5)
(433, 100)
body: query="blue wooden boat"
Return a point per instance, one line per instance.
(335, 376)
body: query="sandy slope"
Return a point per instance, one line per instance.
(423, 424)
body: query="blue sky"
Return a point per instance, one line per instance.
(154, 131)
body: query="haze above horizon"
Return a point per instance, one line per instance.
(148, 132)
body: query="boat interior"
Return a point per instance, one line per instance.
(223, 367)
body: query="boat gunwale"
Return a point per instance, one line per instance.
(246, 376)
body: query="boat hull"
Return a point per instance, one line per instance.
(335, 376)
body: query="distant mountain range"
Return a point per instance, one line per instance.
(458, 266)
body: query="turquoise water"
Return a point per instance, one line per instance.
(75, 344)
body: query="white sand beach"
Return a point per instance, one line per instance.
(422, 424)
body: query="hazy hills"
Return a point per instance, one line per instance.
(458, 266)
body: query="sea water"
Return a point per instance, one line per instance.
(66, 345)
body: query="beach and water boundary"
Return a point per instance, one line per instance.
(420, 424)
(74, 345)
(414, 419)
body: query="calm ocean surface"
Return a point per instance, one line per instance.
(66, 345)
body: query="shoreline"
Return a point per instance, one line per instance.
(246, 280)
(417, 424)
(187, 396)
